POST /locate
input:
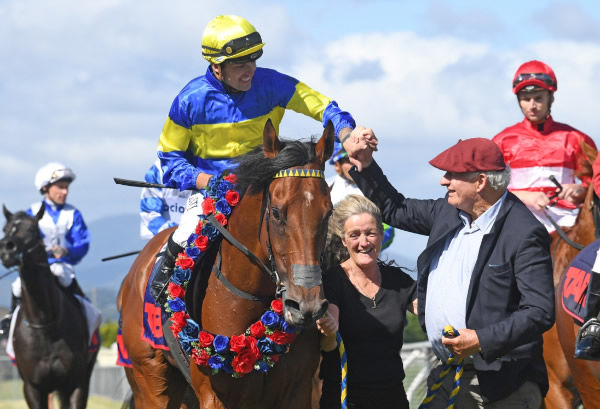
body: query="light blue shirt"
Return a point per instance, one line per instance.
(450, 275)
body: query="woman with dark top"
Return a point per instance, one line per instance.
(368, 300)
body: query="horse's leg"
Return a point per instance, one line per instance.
(562, 393)
(35, 398)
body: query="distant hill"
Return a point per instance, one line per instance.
(118, 235)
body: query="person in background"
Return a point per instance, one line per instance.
(369, 299)
(486, 271)
(160, 208)
(221, 115)
(342, 185)
(63, 229)
(539, 148)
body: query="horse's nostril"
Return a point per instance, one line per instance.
(291, 304)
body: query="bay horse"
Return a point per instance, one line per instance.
(572, 381)
(50, 335)
(281, 220)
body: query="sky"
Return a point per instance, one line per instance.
(90, 83)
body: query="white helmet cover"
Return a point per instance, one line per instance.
(52, 172)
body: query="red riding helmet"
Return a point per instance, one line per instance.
(534, 74)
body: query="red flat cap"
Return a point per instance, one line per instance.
(470, 155)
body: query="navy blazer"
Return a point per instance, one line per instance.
(510, 302)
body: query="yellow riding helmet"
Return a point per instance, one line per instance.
(230, 37)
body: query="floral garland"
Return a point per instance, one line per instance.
(262, 344)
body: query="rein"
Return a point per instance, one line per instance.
(264, 215)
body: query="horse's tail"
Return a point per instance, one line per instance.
(128, 403)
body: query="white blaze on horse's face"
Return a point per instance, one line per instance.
(308, 196)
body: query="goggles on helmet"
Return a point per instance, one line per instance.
(237, 46)
(540, 76)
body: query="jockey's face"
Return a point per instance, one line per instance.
(236, 75)
(58, 191)
(535, 105)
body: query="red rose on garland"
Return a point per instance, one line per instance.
(179, 320)
(176, 291)
(205, 339)
(257, 329)
(231, 178)
(201, 358)
(282, 338)
(232, 197)
(208, 206)
(202, 242)
(221, 218)
(277, 306)
(244, 362)
(185, 263)
(237, 343)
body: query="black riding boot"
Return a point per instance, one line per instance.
(587, 344)
(161, 278)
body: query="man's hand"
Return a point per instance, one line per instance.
(202, 180)
(58, 251)
(360, 147)
(463, 345)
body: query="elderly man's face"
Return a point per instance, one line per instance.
(462, 190)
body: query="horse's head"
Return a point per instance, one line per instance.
(21, 233)
(296, 206)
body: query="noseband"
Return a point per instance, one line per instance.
(264, 215)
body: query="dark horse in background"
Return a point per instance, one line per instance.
(572, 381)
(285, 217)
(51, 336)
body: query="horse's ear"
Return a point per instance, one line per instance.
(7, 213)
(324, 147)
(271, 144)
(40, 212)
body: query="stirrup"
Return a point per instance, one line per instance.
(587, 343)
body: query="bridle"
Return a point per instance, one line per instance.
(264, 216)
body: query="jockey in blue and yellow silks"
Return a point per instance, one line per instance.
(196, 139)
(221, 115)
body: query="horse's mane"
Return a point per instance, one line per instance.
(255, 171)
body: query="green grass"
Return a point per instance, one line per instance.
(11, 397)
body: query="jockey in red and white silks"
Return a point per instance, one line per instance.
(536, 154)
(539, 148)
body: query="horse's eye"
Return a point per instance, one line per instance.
(275, 213)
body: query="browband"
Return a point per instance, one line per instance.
(300, 173)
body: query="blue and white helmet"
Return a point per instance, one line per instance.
(51, 173)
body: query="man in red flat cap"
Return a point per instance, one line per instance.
(486, 271)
